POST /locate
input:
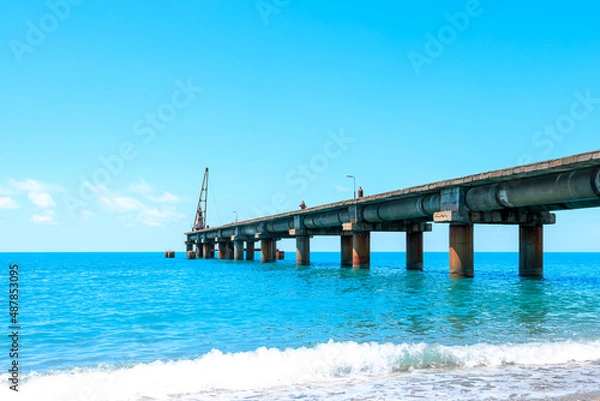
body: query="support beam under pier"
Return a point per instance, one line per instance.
(531, 250)
(414, 250)
(361, 250)
(346, 250)
(461, 251)
(303, 250)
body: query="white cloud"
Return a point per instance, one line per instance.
(86, 214)
(167, 197)
(30, 185)
(142, 187)
(96, 189)
(27, 185)
(159, 217)
(341, 188)
(43, 199)
(6, 191)
(121, 203)
(46, 217)
(132, 211)
(8, 203)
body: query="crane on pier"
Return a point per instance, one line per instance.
(200, 220)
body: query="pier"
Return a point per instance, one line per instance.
(525, 196)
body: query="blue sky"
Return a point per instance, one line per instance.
(111, 110)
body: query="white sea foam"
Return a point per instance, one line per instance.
(272, 370)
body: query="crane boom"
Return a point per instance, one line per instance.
(200, 220)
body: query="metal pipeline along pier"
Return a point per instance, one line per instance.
(525, 196)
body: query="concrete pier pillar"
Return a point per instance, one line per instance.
(346, 250)
(361, 250)
(414, 250)
(250, 250)
(222, 250)
(238, 249)
(208, 251)
(199, 251)
(229, 250)
(531, 251)
(274, 251)
(303, 250)
(189, 250)
(461, 250)
(267, 251)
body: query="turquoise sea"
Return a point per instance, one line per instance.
(137, 326)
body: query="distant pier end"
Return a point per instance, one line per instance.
(525, 196)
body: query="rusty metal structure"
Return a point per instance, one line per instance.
(525, 196)
(200, 219)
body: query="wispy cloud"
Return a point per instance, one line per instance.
(146, 215)
(45, 217)
(7, 191)
(30, 185)
(86, 214)
(154, 210)
(41, 199)
(148, 192)
(341, 188)
(8, 203)
(164, 198)
(141, 187)
(121, 203)
(159, 217)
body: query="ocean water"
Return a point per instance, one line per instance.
(137, 326)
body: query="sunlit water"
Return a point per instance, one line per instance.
(141, 327)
